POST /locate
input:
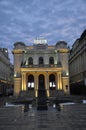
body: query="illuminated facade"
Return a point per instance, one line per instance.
(77, 66)
(6, 73)
(32, 62)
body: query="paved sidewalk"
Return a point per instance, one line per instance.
(71, 117)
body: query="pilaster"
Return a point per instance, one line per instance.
(47, 83)
(23, 81)
(36, 84)
(59, 83)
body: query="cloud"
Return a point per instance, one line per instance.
(5, 2)
(53, 19)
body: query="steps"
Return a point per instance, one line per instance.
(42, 99)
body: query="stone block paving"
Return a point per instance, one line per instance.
(71, 117)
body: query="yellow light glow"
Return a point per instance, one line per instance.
(67, 73)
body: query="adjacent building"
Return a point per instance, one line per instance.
(41, 61)
(77, 66)
(6, 73)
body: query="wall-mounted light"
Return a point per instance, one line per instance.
(67, 73)
(15, 75)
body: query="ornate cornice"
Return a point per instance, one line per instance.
(18, 51)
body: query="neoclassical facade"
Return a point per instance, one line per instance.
(77, 66)
(41, 60)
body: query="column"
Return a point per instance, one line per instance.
(47, 83)
(57, 81)
(23, 81)
(60, 81)
(36, 84)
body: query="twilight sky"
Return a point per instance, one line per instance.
(55, 20)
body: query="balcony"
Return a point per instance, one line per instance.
(41, 66)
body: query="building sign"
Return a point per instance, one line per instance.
(40, 41)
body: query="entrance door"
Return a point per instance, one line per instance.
(42, 97)
(52, 85)
(52, 82)
(30, 82)
(41, 81)
(31, 92)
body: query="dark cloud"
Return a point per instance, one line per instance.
(53, 19)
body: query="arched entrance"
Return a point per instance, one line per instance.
(42, 97)
(52, 85)
(30, 86)
(52, 82)
(30, 81)
(41, 81)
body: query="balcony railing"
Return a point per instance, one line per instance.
(41, 66)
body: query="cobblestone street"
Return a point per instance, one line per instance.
(71, 117)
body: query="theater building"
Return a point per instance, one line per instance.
(32, 63)
(77, 66)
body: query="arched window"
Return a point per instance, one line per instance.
(30, 61)
(52, 82)
(30, 81)
(51, 60)
(41, 62)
